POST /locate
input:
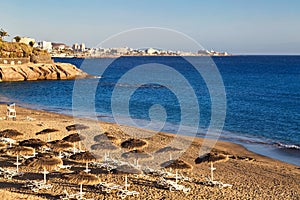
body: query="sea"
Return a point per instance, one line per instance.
(261, 97)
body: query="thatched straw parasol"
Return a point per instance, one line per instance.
(33, 143)
(106, 137)
(3, 145)
(177, 165)
(19, 150)
(169, 149)
(47, 131)
(105, 146)
(77, 127)
(137, 155)
(60, 145)
(133, 143)
(74, 138)
(11, 134)
(212, 158)
(47, 163)
(83, 178)
(126, 169)
(84, 157)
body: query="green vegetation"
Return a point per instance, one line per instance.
(19, 50)
(31, 43)
(17, 38)
(3, 34)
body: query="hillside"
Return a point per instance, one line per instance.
(20, 50)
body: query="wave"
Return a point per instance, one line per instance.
(128, 85)
(287, 146)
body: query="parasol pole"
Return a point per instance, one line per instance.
(212, 171)
(45, 173)
(17, 163)
(74, 148)
(105, 156)
(126, 183)
(87, 167)
(170, 156)
(79, 145)
(59, 154)
(34, 152)
(80, 191)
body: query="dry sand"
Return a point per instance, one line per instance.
(256, 177)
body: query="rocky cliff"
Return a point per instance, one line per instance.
(32, 72)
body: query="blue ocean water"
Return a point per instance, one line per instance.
(262, 97)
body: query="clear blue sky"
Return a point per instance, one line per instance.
(237, 26)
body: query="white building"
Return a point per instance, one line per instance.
(27, 40)
(82, 47)
(151, 51)
(75, 47)
(45, 45)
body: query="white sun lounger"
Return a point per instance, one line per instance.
(78, 196)
(108, 187)
(219, 184)
(124, 193)
(35, 186)
(9, 173)
(172, 185)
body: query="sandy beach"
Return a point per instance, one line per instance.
(252, 176)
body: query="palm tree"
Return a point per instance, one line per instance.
(31, 43)
(17, 38)
(3, 33)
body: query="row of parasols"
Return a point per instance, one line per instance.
(49, 162)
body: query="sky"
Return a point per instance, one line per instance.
(235, 26)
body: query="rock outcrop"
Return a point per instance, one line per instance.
(33, 72)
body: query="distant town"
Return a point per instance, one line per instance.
(79, 50)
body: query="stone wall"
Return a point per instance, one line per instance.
(14, 61)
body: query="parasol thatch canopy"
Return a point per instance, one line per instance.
(60, 145)
(126, 169)
(46, 131)
(83, 178)
(34, 143)
(11, 133)
(105, 145)
(211, 157)
(75, 137)
(136, 154)
(83, 157)
(168, 149)
(106, 137)
(20, 150)
(48, 162)
(177, 164)
(133, 143)
(75, 127)
(3, 145)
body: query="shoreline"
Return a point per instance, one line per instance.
(270, 150)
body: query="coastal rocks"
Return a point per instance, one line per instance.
(32, 72)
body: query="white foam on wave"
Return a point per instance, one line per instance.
(288, 146)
